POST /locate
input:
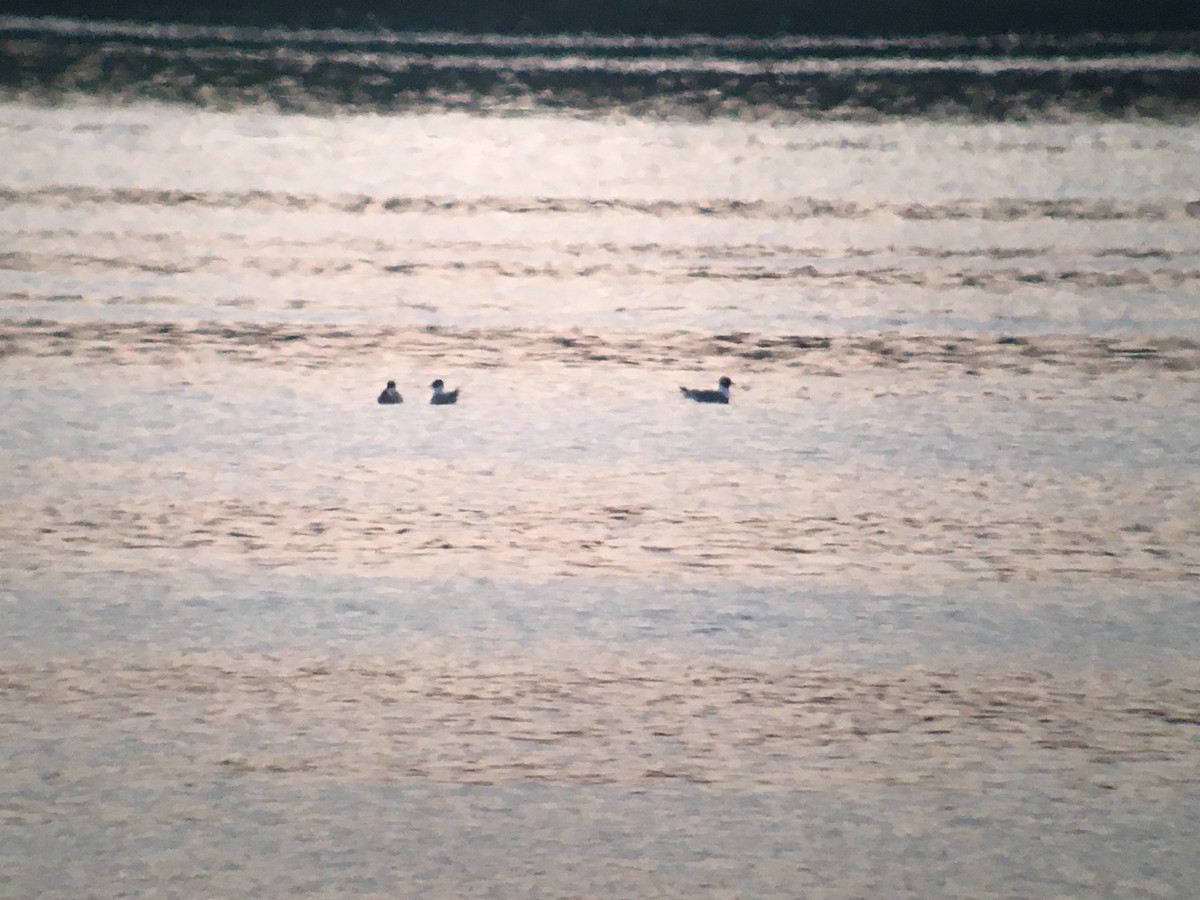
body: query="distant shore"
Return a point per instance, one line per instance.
(782, 79)
(874, 18)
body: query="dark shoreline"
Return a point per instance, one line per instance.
(696, 78)
(874, 18)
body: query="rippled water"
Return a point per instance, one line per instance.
(914, 615)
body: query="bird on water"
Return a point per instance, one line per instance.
(441, 396)
(390, 394)
(700, 395)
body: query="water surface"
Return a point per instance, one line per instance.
(914, 615)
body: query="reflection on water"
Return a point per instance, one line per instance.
(913, 615)
(160, 214)
(720, 725)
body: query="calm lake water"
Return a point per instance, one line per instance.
(916, 614)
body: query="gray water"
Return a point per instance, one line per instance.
(914, 615)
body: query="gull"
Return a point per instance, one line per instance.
(390, 394)
(441, 396)
(720, 395)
